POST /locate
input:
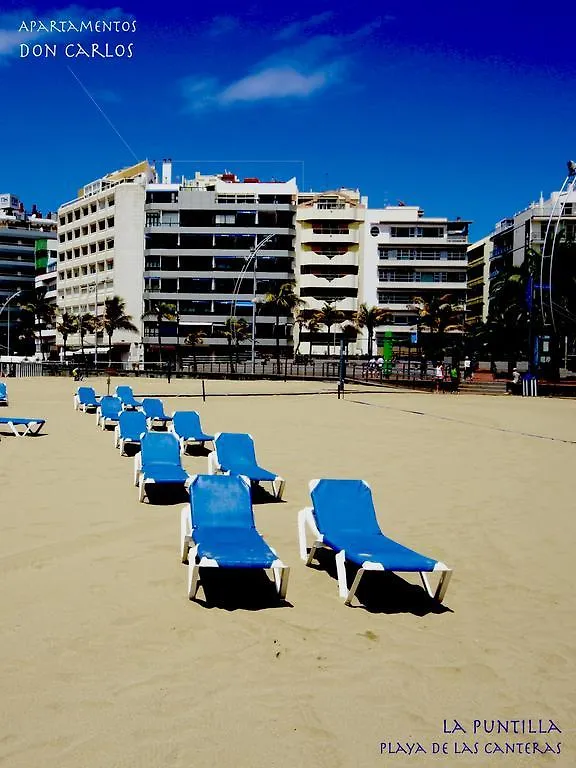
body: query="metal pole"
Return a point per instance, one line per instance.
(253, 343)
(96, 323)
(8, 341)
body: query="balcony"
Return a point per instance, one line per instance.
(345, 305)
(329, 281)
(329, 235)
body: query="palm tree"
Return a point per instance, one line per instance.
(115, 319)
(329, 316)
(236, 330)
(284, 301)
(42, 311)
(68, 324)
(312, 325)
(440, 315)
(163, 311)
(85, 323)
(301, 317)
(195, 339)
(370, 317)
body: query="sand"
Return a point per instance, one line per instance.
(105, 662)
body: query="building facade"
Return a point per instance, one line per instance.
(20, 232)
(329, 250)
(409, 256)
(478, 280)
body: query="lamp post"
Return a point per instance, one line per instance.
(8, 300)
(252, 258)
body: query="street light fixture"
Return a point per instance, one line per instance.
(8, 300)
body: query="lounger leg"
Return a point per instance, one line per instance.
(312, 553)
(341, 571)
(426, 584)
(278, 487)
(354, 586)
(442, 585)
(13, 428)
(116, 437)
(193, 579)
(141, 490)
(281, 576)
(211, 464)
(185, 533)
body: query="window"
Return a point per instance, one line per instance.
(69, 217)
(84, 250)
(101, 245)
(62, 220)
(93, 227)
(61, 238)
(76, 253)
(77, 214)
(77, 233)
(225, 218)
(153, 218)
(110, 243)
(101, 225)
(85, 211)
(101, 204)
(110, 221)
(110, 264)
(61, 275)
(69, 274)
(76, 272)
(92, 247)
(110, 201)
(93, 208)
(85, 230)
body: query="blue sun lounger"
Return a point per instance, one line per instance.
(108, 411)
(343, 519)
(86, 399)
(130, 429)
(234, 454)
(29, 426)
(3, 394)
(158, 462)
(217, 531)
(154, 410)
(186, 426)
(126, 396)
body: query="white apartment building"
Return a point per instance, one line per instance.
(408, 255)
(329, 247)
(101, 252)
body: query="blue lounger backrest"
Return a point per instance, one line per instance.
(86, 395)
(125, 393)
(153, 408)
(110, 406)
(235, 449)
(221, 501)
(160, 448)
(2, 391)
(187, 423)
(132, 424)
(344, 505)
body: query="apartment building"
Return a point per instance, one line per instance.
(205, 254)
(478, 280)
(20, 232)
(530, 228)
(101, 253)
(329, 243)
(408, 255)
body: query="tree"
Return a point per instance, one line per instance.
(329, 316)
(42, 312)
(115, 319)
(284, 301)
(370, 317)
(312, 325)
(195, 339)
(68, 325)
(85, 324)
(236, 330)
(440, 315)
(163, 311)
(301, 317)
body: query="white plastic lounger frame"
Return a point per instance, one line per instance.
(306, 518)
(280, 571)
(30, 428)
(214, 468)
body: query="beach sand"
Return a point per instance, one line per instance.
(105, 663)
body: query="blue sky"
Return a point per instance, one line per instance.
(464, 111)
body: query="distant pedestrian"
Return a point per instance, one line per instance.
(516, 376)
(438, 376)
(423, 367)
(467, 368)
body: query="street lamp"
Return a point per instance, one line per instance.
(8, 300)
(252, 259)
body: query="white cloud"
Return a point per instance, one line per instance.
(275, 83)
(294, 71)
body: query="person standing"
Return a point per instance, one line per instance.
(438, 376)
(467, 368)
